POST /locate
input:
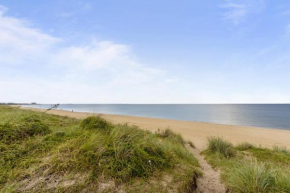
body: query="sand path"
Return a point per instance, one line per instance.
(196, 132)
(210, 181)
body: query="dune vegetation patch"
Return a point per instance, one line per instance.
(170, 135)
(10, 133)
(95, 122)
(61, 154)
(252, 169)
(219, 145)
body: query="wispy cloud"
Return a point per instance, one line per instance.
(3, 9)
(37, 64)
(238, 11)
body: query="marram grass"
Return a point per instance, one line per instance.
(47, 153)
(252, 169)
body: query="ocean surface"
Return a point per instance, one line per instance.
(258, 115)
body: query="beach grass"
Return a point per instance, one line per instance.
(252, 169)
(218, 145)
(49, 153)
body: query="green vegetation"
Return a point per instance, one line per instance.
(48, 153)
(10, 133)
(218, 145)
(96, 123)
(251, 169)
(244, 146)
(168, 134)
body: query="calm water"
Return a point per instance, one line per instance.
(259, 115)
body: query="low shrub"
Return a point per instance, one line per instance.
(95, 122)
(218, 145)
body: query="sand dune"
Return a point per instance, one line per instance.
(195, 131)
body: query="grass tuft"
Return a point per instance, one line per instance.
(253, 176)
(244, 146)
(218, 145)
(10, 133)
(254, 170)
(281, 149)
(168, 134)
(95, 122)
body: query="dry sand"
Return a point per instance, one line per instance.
(195, 131)
(211, 179)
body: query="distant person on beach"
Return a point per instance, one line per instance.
(72, 110)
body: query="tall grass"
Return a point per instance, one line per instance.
(218, 145)
(255, 170)
(168, 134)
(95, 122)
(281, 149)
(125, 152)
(10, 133)
(45, 149)
(253, 177)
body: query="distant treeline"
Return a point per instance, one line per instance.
(18, 103)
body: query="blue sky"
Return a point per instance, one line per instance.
(153, 51)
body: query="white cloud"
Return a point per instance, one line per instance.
(36, 66)
(3, 9)
(238, 11)
(20, 43)
(39, 67)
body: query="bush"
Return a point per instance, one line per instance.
(94, 122)
(218, 145)
(10, 133)
(244, 146)
(167, 133)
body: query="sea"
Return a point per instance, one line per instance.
(257, 115)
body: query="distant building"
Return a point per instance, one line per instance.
(33, 103)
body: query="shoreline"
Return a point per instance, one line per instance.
(197, 132)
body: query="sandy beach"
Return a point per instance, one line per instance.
(195, 131)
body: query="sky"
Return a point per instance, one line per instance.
(145, 51)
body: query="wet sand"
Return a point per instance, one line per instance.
(196, 132)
